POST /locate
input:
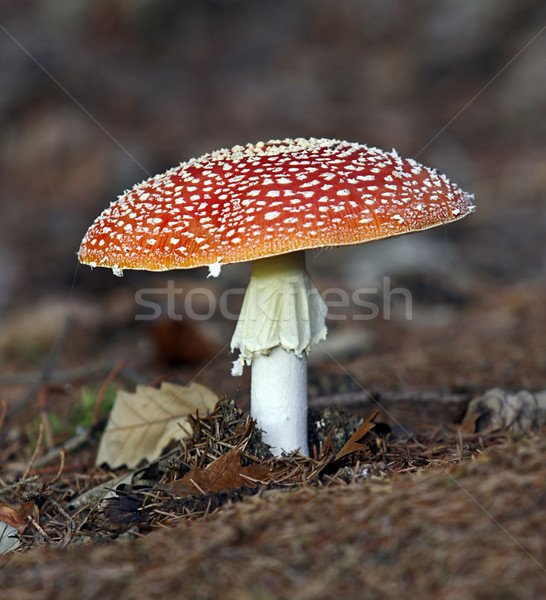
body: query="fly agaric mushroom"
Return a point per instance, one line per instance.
(268, 203)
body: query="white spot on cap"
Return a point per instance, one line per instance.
(269, 216)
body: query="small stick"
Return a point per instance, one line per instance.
(61, 468)
(70, 376)
(201, 490)
(38, 527)
(4, 404)
(70, 445)
(42, 404)
(363, 397)
(102, 391)
(18, 483)
(70, 523)
(460, 446)
(76, 468)
(35, 453)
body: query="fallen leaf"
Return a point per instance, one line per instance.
(10, 516)
(13, 520)
(355, 443)
(141, 425)
(225, 473)
(17, 515)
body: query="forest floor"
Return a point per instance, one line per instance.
(423, 504)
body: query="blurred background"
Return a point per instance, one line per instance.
(96, 95)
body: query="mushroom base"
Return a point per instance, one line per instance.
(279, 399)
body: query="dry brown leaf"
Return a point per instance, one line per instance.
(9, 515)
(225, 473)
(141, 425)
(354, 443)
(17, 515)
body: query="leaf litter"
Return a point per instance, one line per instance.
(223, 463)
(219, 459)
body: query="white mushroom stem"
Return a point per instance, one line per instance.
(282, 316)
(278, 399)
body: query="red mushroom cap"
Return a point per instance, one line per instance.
(267, 199)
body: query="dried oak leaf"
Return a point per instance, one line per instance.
(17, 515)
(141, 425)
(13, 520)
(225, 473)
(355, 442)
(10, 516)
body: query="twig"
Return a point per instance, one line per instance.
(61, 468)
(70, 522)
(364, 397)
(4, 404)
(45, 375)
(70, 445)
(39, 528)
(70, 375)
(45, 417)
(35, 453)
(102, 391)
(18, 483)
(460, 445)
